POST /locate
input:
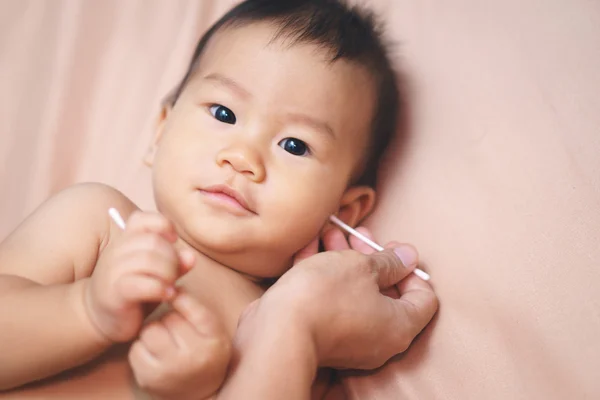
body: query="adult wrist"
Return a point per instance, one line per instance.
(274, 356)
(275, 324)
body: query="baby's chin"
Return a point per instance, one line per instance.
(255, 266)
(254, 260)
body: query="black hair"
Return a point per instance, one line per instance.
(344, 32)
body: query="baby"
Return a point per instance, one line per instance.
(278, 123)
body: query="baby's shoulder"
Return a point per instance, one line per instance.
(97, 195)
(89, 202)
(63, 237)
(93, 189)
(87, 205)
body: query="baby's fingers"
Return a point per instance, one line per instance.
(183, 334)
(146, 368)
(147, 255)
(157, 340)
(141, 359)
(204, 343)
(202, 319)
(144, 288)
(187, 260)
(145, 222)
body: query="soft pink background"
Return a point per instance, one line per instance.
(498, 183)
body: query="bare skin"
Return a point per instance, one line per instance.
(70, 273)
(109, 374)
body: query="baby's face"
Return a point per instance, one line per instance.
(260, 147)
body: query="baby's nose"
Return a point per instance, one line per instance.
(244, 160)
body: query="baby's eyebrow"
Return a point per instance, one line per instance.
(292, 117)
(230, 83)
(311, 122)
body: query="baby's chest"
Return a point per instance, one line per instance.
(224, 296)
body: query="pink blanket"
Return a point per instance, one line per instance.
(498, 182)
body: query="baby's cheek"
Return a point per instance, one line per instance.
(297, 232)
(302, 208)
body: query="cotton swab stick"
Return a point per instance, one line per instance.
(114, 214)
(420, 273)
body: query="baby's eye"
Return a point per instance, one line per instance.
(294, 146)
(222, 113)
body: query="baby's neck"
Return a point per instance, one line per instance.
(224, 290)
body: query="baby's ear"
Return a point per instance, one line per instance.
(357, 202)
(158, 132)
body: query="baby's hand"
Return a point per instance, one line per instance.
(139, 269)
(183, 355)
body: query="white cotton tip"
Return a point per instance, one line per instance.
(116, 216)
(422, 274)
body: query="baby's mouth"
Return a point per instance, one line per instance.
(228, 197)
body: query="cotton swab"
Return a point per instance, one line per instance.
(420, 273)
(114, 214)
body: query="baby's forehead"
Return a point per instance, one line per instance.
(275, 34)
(265, 64)
(255, 36)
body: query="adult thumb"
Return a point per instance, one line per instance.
(393, 265)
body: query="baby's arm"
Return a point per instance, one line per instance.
(44, 266)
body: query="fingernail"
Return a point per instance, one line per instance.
(187, 259)
(407, 254)
(170, 292)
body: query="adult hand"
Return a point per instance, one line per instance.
(328, 311)
(335, 298)
(335, 239)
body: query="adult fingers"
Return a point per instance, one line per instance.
(392, 245)
(392, 291)
(310, 250)
(392, 265)
(334, 239)
(414, 309)
(359, 245)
